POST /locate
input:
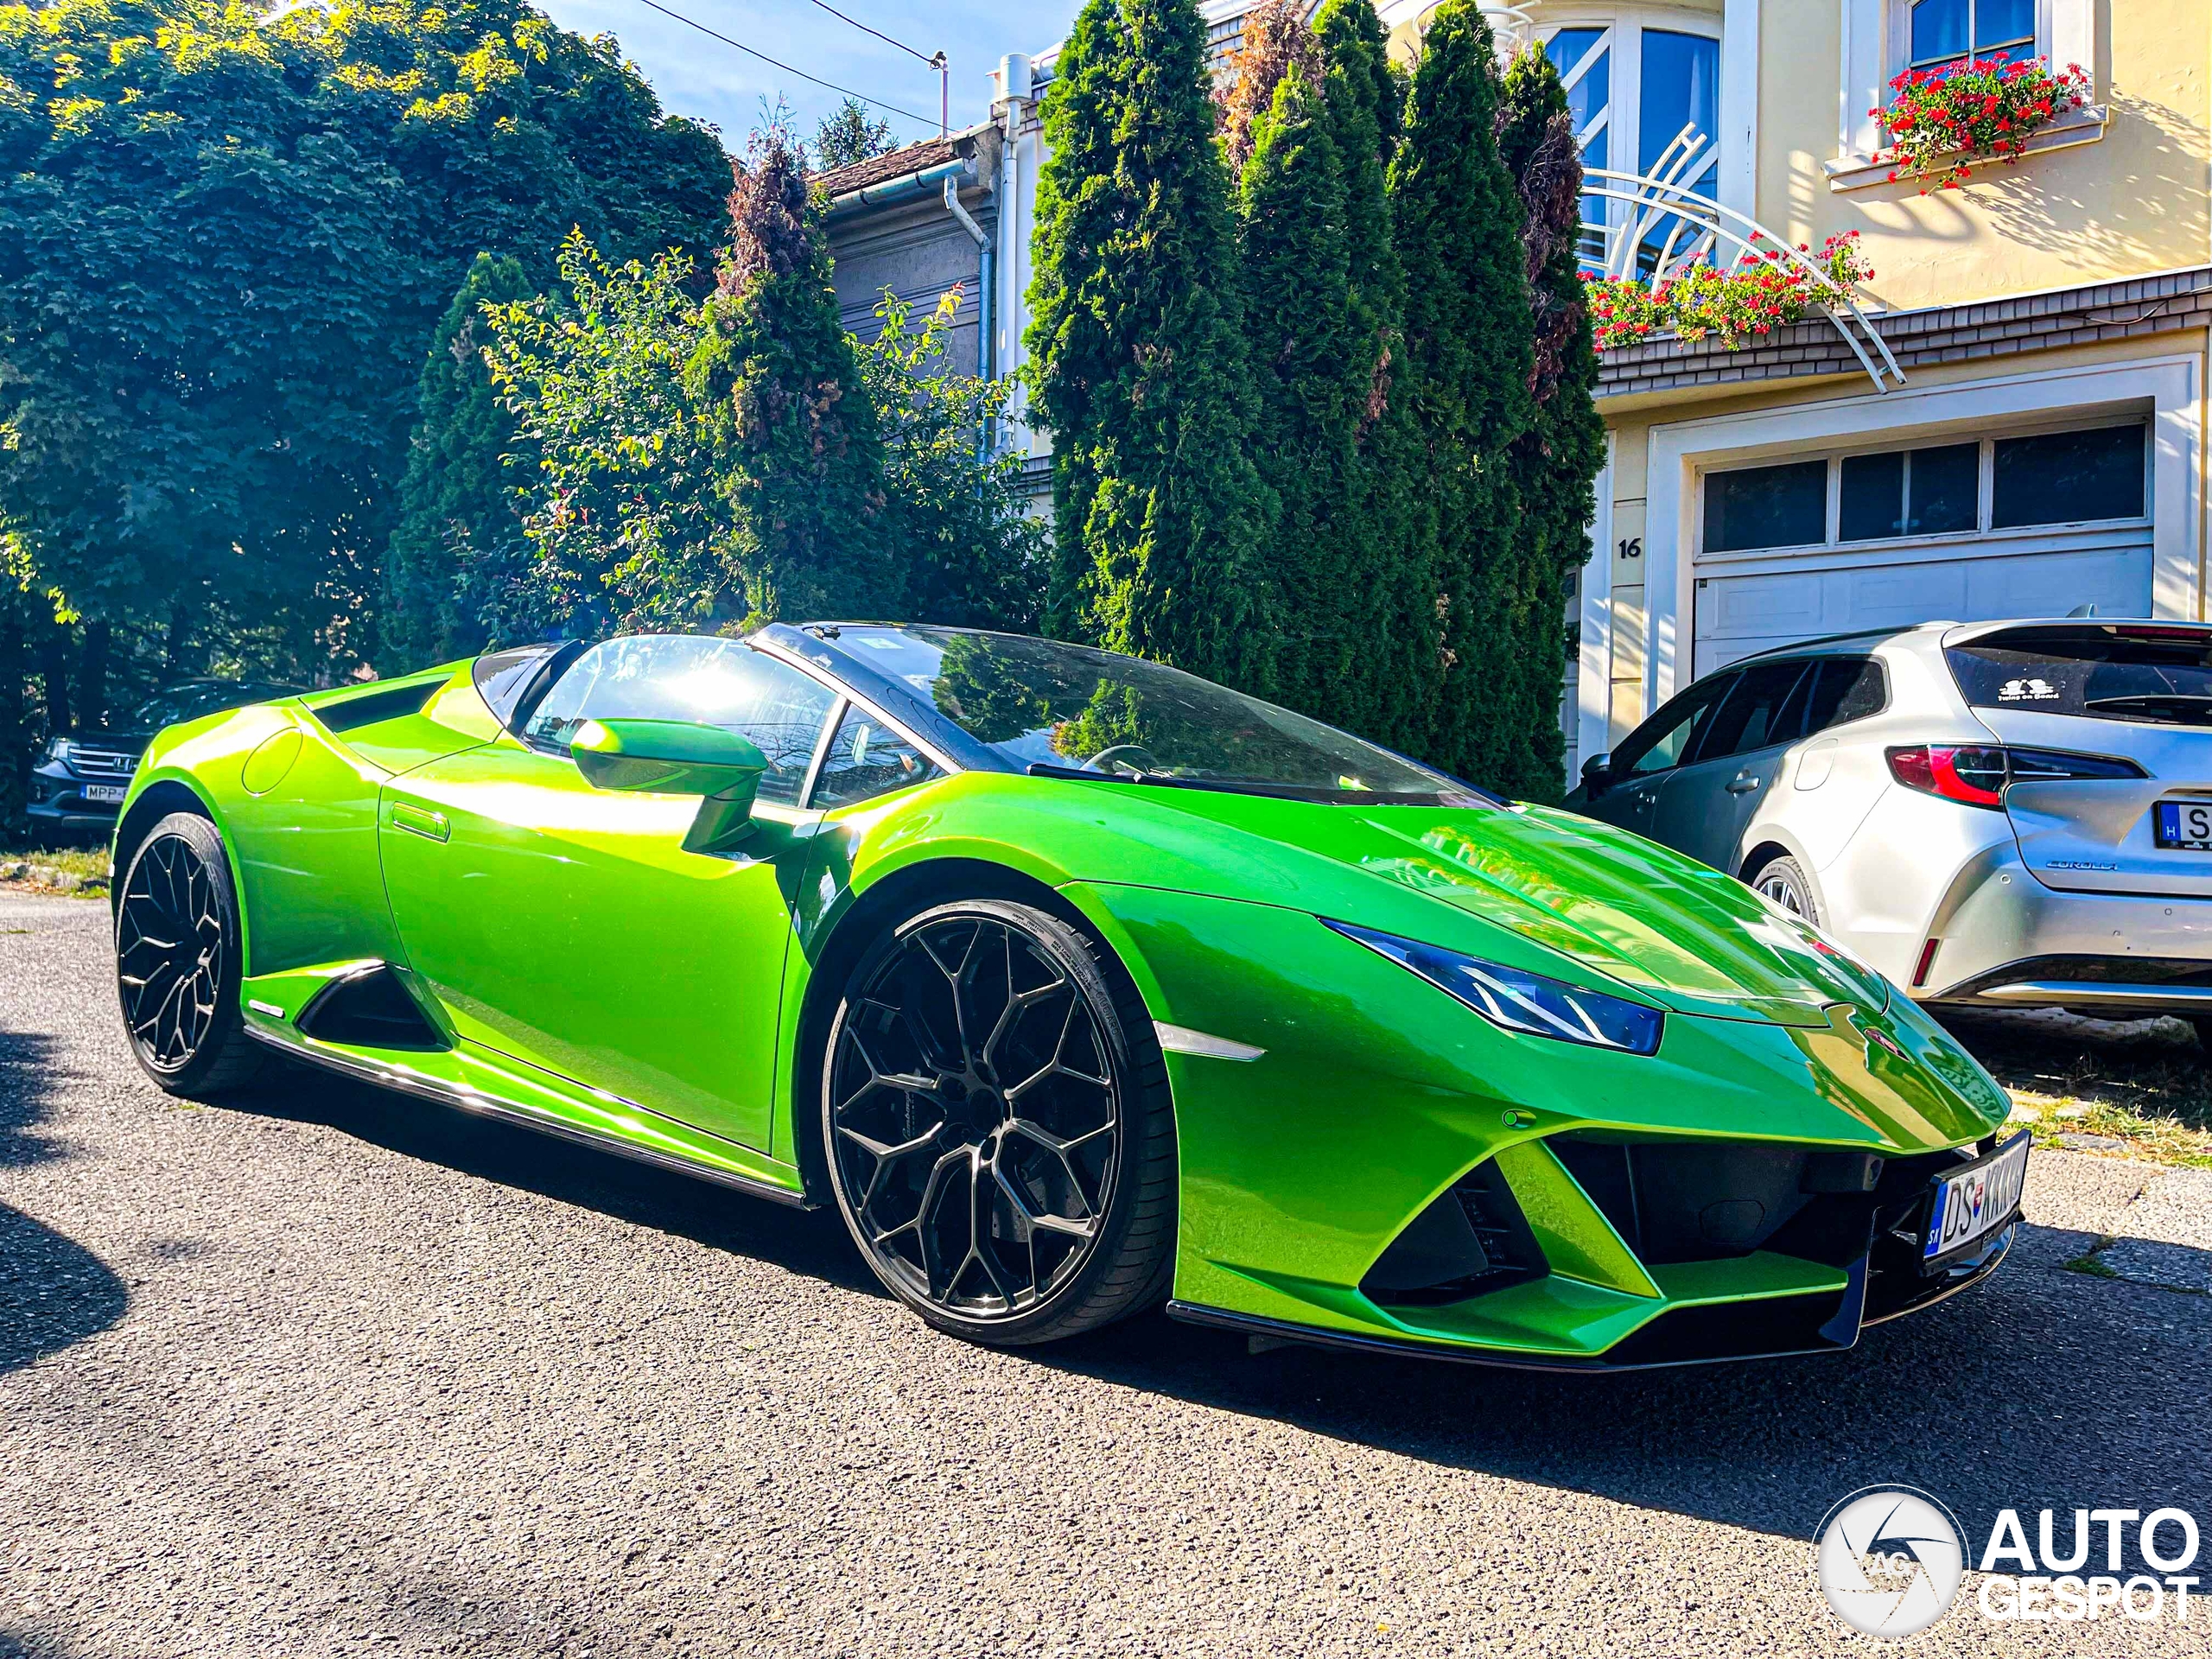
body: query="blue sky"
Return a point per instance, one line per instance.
(701, 76)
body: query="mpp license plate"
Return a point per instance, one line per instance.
(1975, 1202)
(2184, 823)
(104, 794)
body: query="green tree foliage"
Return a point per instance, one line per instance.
(846, 136)
(224, 247)
(970, 555)
(1276, 39)
(459, 543)
(1555, 463)
(1140, 369)
(1312, 365)
(628, 527)
(799, 454)
(1392, 609)
(1469, 356)
(638, 515)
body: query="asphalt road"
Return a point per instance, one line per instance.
(342, 1373)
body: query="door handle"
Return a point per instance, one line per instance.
(1742, 784)
(418, 820)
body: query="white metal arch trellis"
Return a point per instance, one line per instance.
(1699, 228)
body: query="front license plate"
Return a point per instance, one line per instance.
(104, 794)
(1974, 1201)
(2186, 824)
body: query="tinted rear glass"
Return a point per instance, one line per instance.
(2146, 673)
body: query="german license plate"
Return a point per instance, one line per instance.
(2182, 823)
(104, 794)
(1974, 1201)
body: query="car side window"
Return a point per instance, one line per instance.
(1756, 711)
(705, 681)
(867, 758)
(1851, 688)
(1663, 740)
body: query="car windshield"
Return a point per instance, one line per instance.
(182, 703)
(1059, 708)
(2151, 673)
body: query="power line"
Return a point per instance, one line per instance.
(936, 62)
(829, 85)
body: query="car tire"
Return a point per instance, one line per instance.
(180, 960)
(997, 1127)
(1783, 882)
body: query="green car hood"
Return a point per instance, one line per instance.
(1686, 936)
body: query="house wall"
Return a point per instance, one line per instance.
(2136, 197)
(920, 253)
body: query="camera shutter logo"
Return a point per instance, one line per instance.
(1889, 1560)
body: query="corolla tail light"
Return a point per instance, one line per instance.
(1975, 774)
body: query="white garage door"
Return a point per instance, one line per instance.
(1970, 529)
(1744, 606)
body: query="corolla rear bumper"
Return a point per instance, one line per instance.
(2006, 940)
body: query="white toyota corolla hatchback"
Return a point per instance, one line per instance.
(2007, 813)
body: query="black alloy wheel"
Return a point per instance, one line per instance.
(998, 1154)
(177, 961)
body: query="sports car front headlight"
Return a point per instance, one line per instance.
(1515, 999)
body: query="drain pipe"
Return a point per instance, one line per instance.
(985, 276)
(1017, 84)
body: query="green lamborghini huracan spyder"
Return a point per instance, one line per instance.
(1075, 983)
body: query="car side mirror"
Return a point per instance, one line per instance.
(1596, 773)
(675, 757)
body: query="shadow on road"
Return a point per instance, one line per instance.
(52, 1290)
(811, 1243)
(2036, 1389)
(2009, 1396)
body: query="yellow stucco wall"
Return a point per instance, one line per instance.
(2135, 200)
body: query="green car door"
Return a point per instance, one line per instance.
(567, 926)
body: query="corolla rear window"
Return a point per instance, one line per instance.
(1058, 708)
(2153, 674)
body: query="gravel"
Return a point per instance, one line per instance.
(336, 1373)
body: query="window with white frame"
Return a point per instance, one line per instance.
(1944, 34)
(1645, 97)
(1883, 39)
(2079, 475)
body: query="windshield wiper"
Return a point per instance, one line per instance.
(2155, 708)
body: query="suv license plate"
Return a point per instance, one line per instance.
(2186, 824)
(104, 794)
(1974, 1201)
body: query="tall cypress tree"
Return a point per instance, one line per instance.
(1276, 39)
(1389, 609)
(1140, 369)
(1311, 370)
(1468, 354)
(460, 521)
(1555, 463)
(785, 413)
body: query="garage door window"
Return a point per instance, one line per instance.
(1767, 507)
(1909, 493)
(2054, 477)
(2091, 474)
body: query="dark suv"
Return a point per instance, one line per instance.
(81, 779)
